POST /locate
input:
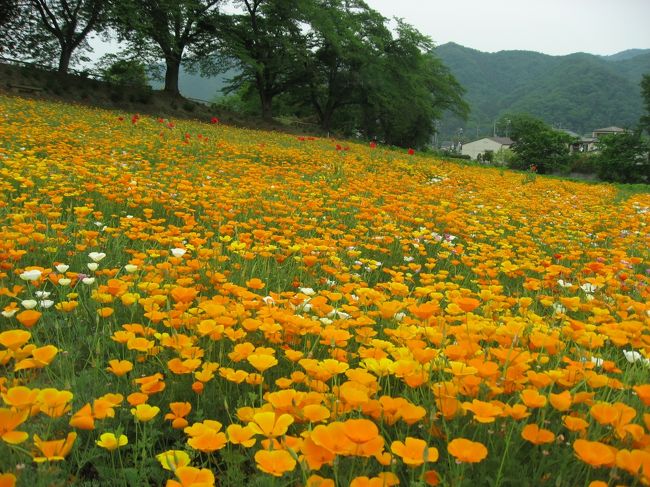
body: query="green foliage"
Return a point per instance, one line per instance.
(537, 144)
(38, 28)
(504, 157)
(645, 94)
(624, 158)
(409, 89)
(267, 46)
(166, 29)
(124, 72)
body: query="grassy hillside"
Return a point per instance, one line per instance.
(579, 91)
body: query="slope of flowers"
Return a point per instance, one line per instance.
(192, 304)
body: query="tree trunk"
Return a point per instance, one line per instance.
(266, 101)
(64, 60)
(171, 75)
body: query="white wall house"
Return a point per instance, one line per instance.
(607, 131)
(481, 146)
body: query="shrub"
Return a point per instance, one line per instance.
(624, 158)
(125, 72)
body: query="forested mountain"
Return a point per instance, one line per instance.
(579, 91)
(193, 85)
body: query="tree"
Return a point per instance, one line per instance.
(535, 143)
(267, 47)
(33, 29)
(123, 72)
(624, 158)
(8, 11)
(69, 22)
(168, 29)
(407, 89)
(645, 94)
(345, 36)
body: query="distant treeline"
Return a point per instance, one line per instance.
(335, 63)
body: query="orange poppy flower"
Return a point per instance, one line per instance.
(206, 436)
(604, 413)
(484, 412)
(22, 398)
(573, 423)
(9, 421)
(332, 437)
(636, 462)
(53, 402)
(595, 453)
(414, 452)
(14, 339)
(136, 398)
(643, 392)
(119, 367)
(240, 435)
(40, 357)
(83, 419)
(562, 401)
(7, 480)
(192, 477)
(262, 362)
(467, 304)
(55, 450)
(467, 451)
(28, 317)
(178, 412)
(384, 479)
(318, 481)
(275, 462)
(270, 424)
(255, 283)
(532, 398)
(537, 435)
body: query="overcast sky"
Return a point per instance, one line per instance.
(550, 26)
(554, 27)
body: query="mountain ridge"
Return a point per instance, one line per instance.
(577, 91)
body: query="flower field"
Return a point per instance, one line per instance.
(190, 304)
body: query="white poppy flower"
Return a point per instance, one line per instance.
(46, 303)
(130, 268)
(88, 280)
(29, 303)
(64, 281)
(563, 283)
(42, 294)
(597, 361)
(178, 252)
(307, 291)
(558, 308)
(62, 268)
(632, 356)
(31, 275)
(588, 288)
(8, 313)
(96, 256)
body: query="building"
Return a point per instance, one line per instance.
(607, 131)
(580, 143)
(486, 144)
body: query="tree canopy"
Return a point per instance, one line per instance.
(536, 144)
(336, 62)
